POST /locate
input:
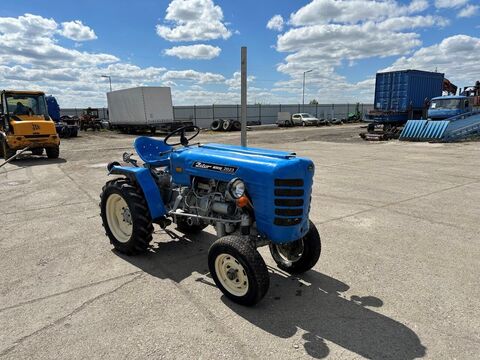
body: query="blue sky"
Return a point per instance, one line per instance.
(194, 46)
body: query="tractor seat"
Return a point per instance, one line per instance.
(149, 150)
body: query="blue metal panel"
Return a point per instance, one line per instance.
(258, 168)
(150, 189)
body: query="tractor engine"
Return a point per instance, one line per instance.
(208, 197)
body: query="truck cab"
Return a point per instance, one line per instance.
(444, 107)
(24, 122)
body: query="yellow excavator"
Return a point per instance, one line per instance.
(25, 124)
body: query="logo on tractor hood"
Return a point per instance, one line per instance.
(215, 167)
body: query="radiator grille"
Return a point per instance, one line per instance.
(289, 201)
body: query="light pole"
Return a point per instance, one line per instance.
(303, 91)
(110, 80)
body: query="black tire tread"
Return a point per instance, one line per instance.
(311, 255)
(252, 262)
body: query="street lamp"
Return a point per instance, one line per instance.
(303, 92)
(110, 80)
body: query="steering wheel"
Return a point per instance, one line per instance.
(183, 140)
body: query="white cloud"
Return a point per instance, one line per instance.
(193, 75)
(234, 82)
(31, 58)
(75, 30)
(412, 22)
(468, 11)
(326, 35)
(275, 23)
(456, 56)
(193, 20)
(450, 3)
(353, 11)
(198, 52)
(346, 41)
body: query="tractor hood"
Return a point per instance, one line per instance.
(278, 183)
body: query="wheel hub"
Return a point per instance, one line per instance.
(127, 216)
(232, 274)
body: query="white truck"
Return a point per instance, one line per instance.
(142, 108)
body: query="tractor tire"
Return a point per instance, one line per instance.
(237, 125)
(227, 125)
(53, 152)
(216, 125)
(6, 151)
(37, 151)
(238, 270)
(183, 226)
(298, 256)
(75, 132)
(125, 217)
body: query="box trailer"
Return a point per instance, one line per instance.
(142, 108)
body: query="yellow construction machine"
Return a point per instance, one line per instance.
(25, 123)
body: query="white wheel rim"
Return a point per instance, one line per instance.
(231, 274)
(119, 218)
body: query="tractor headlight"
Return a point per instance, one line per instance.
(236, 188)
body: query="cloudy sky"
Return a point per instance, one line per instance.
(193, 46)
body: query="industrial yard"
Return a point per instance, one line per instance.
(397, 278)
(210, 179)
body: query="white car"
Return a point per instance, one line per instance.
(305, 119)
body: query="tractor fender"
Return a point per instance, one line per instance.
(143, 177)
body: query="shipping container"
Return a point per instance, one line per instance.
(406, 90)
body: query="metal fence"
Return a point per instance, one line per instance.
(203, 115)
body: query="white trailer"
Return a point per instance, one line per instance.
(142, 108)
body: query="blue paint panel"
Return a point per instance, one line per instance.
(397, 90)
(257, 168)
(147, 183)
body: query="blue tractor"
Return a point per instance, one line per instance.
(253, 197)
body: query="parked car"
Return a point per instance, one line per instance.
(305, 119)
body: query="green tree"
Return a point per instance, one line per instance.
(313, 102)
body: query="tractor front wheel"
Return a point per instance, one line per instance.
(298, 256)
(238, 270)
(125, 217)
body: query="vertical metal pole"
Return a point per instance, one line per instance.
(110, 80)
(244, 94)
(195, 114)
(303, 92)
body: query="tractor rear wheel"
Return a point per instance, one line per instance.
(298, 256)
(125, 217)
(238, 270)
(53, 152)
